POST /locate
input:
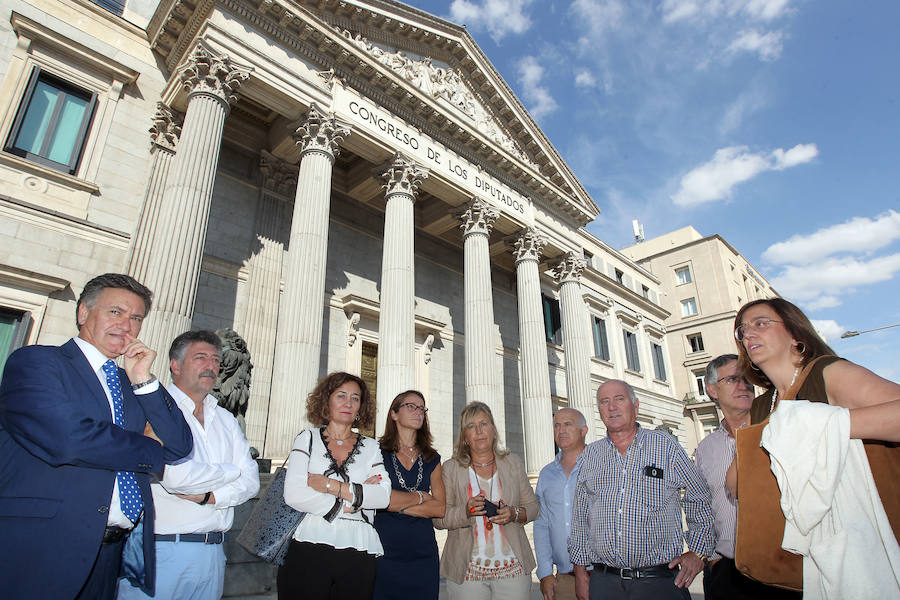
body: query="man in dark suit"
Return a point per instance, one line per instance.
(78, 440)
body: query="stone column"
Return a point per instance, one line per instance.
(476, 222)
(164, 133)
(576, 336)
(396, 331)
(301, 311)
(279, 180)
(536, 406)
(173, 268)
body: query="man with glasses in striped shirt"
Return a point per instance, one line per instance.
(734, 396)
(628, 504)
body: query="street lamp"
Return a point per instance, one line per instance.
(850, 334)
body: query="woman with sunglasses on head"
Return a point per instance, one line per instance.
(816, 449)
(409, 567)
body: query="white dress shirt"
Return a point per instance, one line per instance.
(220, 463)
(97, 359)
(342, 529)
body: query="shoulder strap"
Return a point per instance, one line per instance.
(795, 387)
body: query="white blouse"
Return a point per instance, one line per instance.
(325, 521)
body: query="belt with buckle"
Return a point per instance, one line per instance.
(113, 534)
(639, 573)
(213, 537)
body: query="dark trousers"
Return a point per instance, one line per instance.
(609, 586)
(723, 581)
(322, 572)
(101, 583)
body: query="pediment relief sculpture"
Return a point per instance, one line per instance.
(444, 84)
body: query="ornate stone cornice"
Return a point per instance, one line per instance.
(321, 132)
(569, 268)
(401, 175)
(279, 176)
(477, 217)
(528, 245)
(166, 127)
(207, 72)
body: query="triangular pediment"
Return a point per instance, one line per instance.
(442, 62)
(427, 71)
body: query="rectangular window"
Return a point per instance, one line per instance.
(620, 277)
(52, 123)
(552, 321)
(696, 342)
(14, 326)
(116, 7)
(683, 275)
(701, 388)
(688, 307)
(632, 361)
(659, 363)
(601, 345)
(645, 292)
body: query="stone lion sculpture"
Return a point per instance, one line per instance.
(232, 388)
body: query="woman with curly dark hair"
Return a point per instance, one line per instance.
(337, 477)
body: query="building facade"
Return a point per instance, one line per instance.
(704, 281)
(350, 185)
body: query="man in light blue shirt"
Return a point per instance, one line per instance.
(556, 492)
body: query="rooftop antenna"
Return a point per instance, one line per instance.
(638, 231)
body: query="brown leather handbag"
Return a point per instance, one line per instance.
(760, 521)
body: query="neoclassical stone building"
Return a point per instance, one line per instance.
(349, 184)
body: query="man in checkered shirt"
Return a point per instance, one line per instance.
(627, 518)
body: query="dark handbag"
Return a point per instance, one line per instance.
(760, 521)
(270, 528)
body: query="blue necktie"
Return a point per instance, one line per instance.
(129, 494)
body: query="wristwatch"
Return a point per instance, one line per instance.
(137, 386)
(702, 557)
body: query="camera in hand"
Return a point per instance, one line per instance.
(490, 509)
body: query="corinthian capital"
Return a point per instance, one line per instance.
(207, 72)
(321, 132)
(528, 245)
(166, 127)
(477, 217)
(401, 175)
(278, 176)
(569, 268)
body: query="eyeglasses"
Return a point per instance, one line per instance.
(413, 407)
(755, 325)
(732, 380)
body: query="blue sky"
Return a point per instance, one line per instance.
(774, 123)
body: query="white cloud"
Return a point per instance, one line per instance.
(748, 103)
(859, 235)
(825, 280)
(540, 100)
(730, 166)
(497, 17)
(600, 16)
(828, 328)
(767, 45)
(703, 10)
(584, 78)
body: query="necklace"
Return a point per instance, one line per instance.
(340, 441)
(775, 392)
(485, 464)
(400, 478)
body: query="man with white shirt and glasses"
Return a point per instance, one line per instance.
(734, 396)
(196, 498)
(556, 493)
(627, 520)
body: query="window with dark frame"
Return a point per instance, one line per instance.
(700, 378)
(51, 125)
(552, 320)
(116, 7)
(632, 361)
(14, 328)
(696, 342)
(659, 363)
(601, 344)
